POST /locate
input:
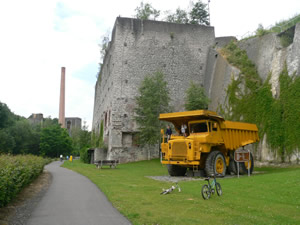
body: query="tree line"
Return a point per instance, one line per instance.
(19, 136)
(198, 14)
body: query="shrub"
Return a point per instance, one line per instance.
(84, 157)
(16, 172)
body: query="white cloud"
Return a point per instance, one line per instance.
(236, 17)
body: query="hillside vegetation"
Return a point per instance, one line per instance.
(277, 28)
(250, 100)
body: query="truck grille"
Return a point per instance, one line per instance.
(179, 149)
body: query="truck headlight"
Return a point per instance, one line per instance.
(190, 145)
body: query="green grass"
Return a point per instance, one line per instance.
(272, 197)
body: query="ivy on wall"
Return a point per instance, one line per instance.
(249, 99)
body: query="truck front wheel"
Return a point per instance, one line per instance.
(175, 170)
(215, 164)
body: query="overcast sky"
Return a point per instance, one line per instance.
(39, 37)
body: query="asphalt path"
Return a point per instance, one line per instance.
(73, 199)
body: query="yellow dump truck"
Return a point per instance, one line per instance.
(205, 141)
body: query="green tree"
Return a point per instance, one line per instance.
(196, 97)
(7, 142)
(6, 116)
(146, 12)
(48, 122)
(81, 138)
(199, 13)
(180, 16)
(153, 99)
(260, 31)
(25, 137)
(55, 141)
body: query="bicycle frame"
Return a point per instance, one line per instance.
(212, 184)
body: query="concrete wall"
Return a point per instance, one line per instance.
(71, 123)
(36, 118)
(139, 48)
(218, 77)
(100, 154)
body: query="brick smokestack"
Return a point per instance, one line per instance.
(61, 119)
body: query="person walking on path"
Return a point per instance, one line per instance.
(72, 199)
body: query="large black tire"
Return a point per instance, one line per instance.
(218, 189)
(243, 166)
(175, 170)
(215, 164)
(232, 167)
(205, 192)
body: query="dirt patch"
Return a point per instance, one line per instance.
(19, 210)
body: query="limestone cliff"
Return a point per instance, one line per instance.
(269, 56)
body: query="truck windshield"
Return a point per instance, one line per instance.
(198, 127)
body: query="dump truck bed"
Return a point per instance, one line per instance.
(237, 134)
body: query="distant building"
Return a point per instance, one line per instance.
(36, 118)
(72, 122)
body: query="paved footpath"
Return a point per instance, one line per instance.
(72, 199)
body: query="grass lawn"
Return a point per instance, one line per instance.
(272, 197)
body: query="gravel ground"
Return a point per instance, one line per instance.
(168, 178)
(19, 211)
(173, 179)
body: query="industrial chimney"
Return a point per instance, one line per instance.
(61, 119)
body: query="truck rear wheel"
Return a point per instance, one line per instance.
(245, 165)
(175, 170)
(215, 164)
(232, 167)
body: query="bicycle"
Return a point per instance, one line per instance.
(167, 191)
(208, 190)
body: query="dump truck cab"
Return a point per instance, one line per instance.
(202, 145)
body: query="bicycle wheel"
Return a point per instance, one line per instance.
(219, 189)
(205, 192)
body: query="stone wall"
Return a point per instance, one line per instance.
(139, 48)
(183, 53)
